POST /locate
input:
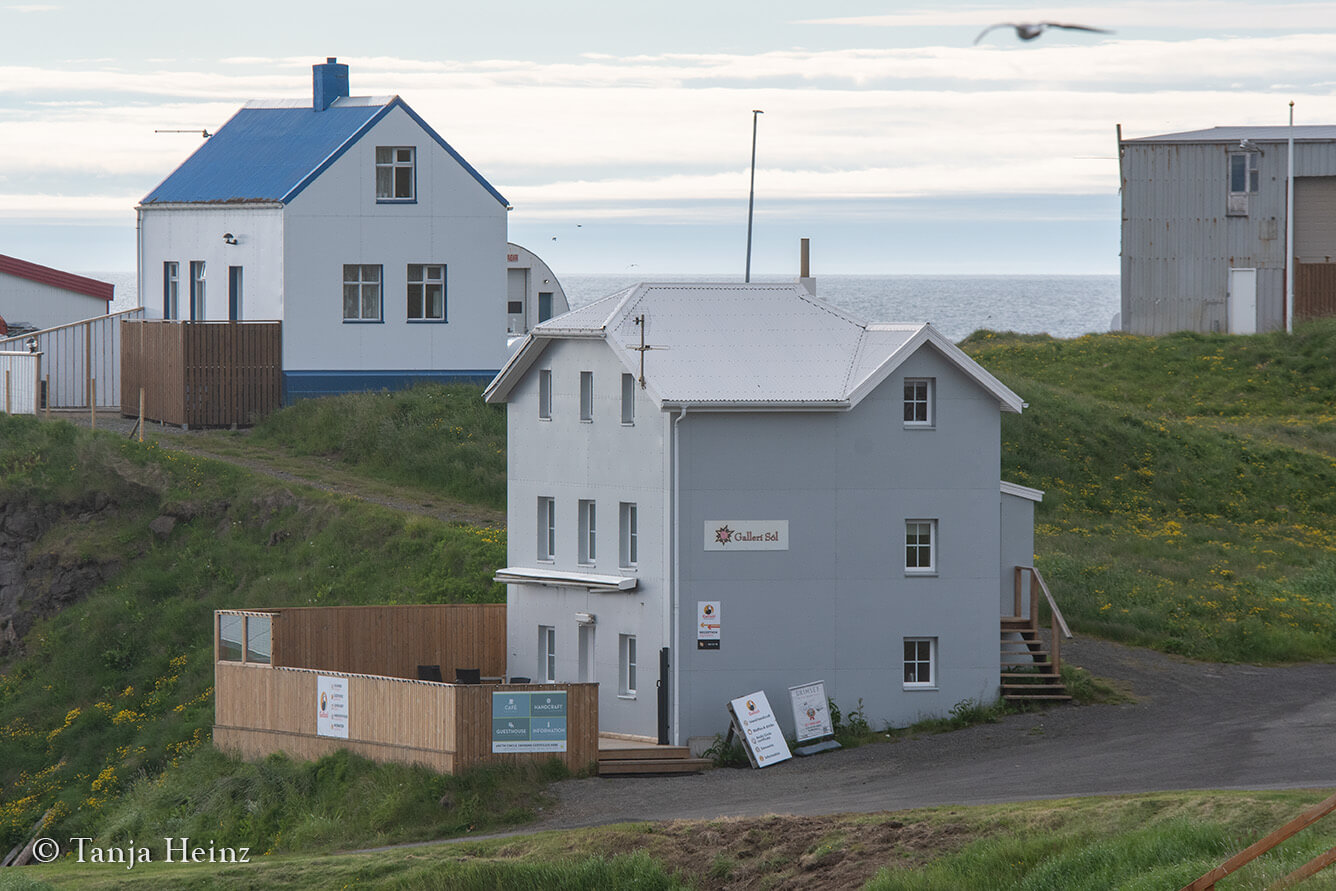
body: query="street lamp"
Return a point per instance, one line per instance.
(751, 195)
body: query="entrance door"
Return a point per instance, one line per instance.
(586, 646)
(1242, 301)
(234, 293)
(544, 305)
(517, 299)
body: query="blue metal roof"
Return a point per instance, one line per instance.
(271, 153)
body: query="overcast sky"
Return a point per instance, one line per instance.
(621, 132)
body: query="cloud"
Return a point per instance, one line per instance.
(1199, 16)
(32, 7)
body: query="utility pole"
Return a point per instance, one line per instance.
(751, 196)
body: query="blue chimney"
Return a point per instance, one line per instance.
(330, 82)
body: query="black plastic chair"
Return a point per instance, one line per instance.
(468, 675)
(430, 673)
(520, 681)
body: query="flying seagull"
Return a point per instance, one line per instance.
(1030, 32)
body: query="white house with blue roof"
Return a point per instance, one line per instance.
(715, 489)
(349, 219)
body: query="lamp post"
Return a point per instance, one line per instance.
(751, 195)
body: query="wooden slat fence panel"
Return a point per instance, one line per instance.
(1314, 290)
(73, 350)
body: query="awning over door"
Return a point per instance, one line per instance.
(606, 584)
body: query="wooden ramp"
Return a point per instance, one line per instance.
(629, 757)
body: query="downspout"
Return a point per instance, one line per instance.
(1289, 230)
(677, 578)
(139, 259)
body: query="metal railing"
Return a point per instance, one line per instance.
(81, 358)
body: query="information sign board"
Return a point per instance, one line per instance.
(331, 716)
(529, 721)
(811, 711)
(707, 624)
(760, 733)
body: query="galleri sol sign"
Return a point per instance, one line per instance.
(746, 535)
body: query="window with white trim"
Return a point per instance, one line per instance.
(547, 528)
(626, 660)
(630, 535)
(545, 395)
(920, 546)
(547, 654)
(196, 290)
(361, 292)
(588, 532)
(628, 399)
(171, 289)
(1243, 172)
(920, 661)
(918, 401)
(586, 395)
(395, 173)
(426, 292)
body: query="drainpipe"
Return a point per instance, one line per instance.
(139, 258)
(677, 580)
(1289, 230)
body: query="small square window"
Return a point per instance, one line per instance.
(545, 395)
(588, 532)
(426, 292)
(918, 402)
(920, 546)
(361, 293)
(586, 395)
(920, 661)
(395, 173)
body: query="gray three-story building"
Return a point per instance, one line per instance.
(764, 491)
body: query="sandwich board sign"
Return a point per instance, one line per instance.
(755, 723)
(811, 718)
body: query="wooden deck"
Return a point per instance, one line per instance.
(619, 756)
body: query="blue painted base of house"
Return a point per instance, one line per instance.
(310, 384)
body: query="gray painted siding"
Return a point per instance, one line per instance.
(837, 605)
(1017, 546)
(610, 463)
(1178, 243)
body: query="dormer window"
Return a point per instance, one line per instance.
(395, 173)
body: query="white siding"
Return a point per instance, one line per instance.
(43, 305)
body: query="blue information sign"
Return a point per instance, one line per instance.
(529, 722)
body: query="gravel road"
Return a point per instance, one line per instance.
(1193, 726)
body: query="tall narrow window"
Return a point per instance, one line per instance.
(395, 179)
(361, 293)
(628, 398)
(626, 673)
(918, 402)
(545, 395)
(588, 531)
(196, 290)
(586, 395)
(426, 292)
(547, 654)
(920, 661)
(547, 528)
(630, 533)
(920, 545)
(171, 289)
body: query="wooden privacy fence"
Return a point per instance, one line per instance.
(77, 355)
(1314, 290)
(202, 374)
(20, 376)
(260, 710)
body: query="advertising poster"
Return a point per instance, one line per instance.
(760, 731)
(746, 535)
(811, 712)
(529, 722)
(331, 716)
(707, 624)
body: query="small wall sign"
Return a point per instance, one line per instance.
(331, 716)
(529, 722)
(746, 535)
(707, 624)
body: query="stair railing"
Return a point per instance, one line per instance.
(1058, 623)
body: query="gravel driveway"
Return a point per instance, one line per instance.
(1193, 726)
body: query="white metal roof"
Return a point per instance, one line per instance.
(1256, 134)
(743, 346)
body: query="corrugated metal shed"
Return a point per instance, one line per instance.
(744, 345)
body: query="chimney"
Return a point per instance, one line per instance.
(804, 267)
(330, 82)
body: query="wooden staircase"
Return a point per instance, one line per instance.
(618, 757)
(1031, 670)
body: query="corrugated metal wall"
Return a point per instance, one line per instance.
(1179, 243)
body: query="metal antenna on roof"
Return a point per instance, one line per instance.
(643, 348)
(204, 133)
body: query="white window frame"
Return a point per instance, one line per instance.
(626, 666)
(915, 662)
(587, 396)
(920, 402)
(422, 279)
(391, 161)
(197, 273)
(171, 289)
(547, 654)
(628, 400)
(367, 279)
(547, 529)
(914, 547)
(588, 532)
(1250, 170)
(545, 394)
(628, 520)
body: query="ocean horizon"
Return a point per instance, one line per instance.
(1064, 306)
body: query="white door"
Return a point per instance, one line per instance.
(1243, 301)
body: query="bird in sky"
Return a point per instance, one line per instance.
(1031, 31)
